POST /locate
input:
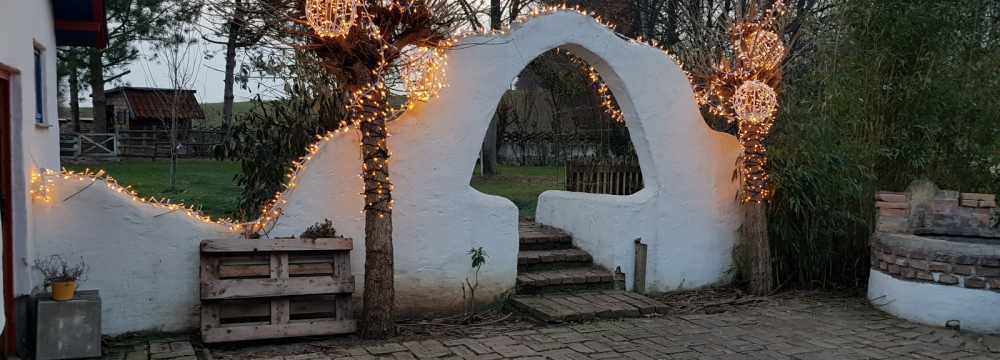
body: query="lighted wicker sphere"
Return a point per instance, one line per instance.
(332, 18)
(764, 49)
(423, 73)
(755, 102)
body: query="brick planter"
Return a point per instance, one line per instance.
(935, 257)
(969, 263)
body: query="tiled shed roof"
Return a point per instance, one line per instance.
(158, 103)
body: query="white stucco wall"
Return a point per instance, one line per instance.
(687, 212)
(935, 305)
(143, 259)
(145, 265)
(25, 25)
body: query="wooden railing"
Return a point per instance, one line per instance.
(604, 176)
(90, 145)
(156, 143)
(139, 143)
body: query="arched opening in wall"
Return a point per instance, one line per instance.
(558, 127)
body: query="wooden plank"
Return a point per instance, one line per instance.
(261, 307)
(295, 328)
(267, 245)
(342, 270)
(216, 289)
(279, 266)
(210, 316)
(209, 311)
(983, 197)
(263, 270)
(209, 268)
(639, 277)
(280, 311)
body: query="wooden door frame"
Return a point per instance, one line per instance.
(9, 345)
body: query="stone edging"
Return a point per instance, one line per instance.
(943, 262)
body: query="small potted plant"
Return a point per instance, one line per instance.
(61, 276)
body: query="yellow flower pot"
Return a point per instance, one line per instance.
(63, 290)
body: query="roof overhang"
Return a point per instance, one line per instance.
(80, 23)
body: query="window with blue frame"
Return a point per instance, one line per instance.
(39, 87)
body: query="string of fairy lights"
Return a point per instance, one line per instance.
(608, 102)
(742, 88)
(424, 76)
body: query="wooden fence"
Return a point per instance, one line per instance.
(600, 176)
(550, 149)
(139, 143)
(156, 143)
(275, 288)
(98, 145)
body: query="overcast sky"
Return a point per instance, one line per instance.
(209, 84)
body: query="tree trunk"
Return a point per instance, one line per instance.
(672, 36)
(173, 140)
(96, 64)
(74, 98)
(231, 45)
(378, 312)
(757, 247)
(755, 192)
(489, 151)
(515, 10)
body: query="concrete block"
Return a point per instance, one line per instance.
(68, 329)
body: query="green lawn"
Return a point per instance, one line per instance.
(206, 184)
(522, 184)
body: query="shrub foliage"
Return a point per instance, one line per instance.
(896, 91)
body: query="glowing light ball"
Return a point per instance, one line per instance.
(755, 102)
(763, 49)
(423, 72)
(332, 18)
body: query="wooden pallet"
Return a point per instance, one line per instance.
(278, 288)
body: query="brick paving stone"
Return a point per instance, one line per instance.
(787, 329)
(385, 349)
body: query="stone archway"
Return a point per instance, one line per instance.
(687, 213)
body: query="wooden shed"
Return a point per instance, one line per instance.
(136, 108)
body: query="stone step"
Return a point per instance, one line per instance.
(540, 237)
(558, 280)
(587, 305)
(528, 260)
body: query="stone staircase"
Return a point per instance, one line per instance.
(548, 263)
(559, 282)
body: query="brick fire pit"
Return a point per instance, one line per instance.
(936, 257)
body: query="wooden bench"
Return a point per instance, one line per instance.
(275, 288)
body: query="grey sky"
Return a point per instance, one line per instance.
(209, 83)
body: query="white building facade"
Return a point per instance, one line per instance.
(29, 132)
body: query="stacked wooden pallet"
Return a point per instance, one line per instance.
(275, 288)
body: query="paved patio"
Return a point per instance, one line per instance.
(799, 326)
(788, 327)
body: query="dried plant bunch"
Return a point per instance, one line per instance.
(55, 269)
(319, 230)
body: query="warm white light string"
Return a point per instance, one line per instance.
(43, 181)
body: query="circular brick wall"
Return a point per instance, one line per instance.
(935, 257)
(972, 263)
